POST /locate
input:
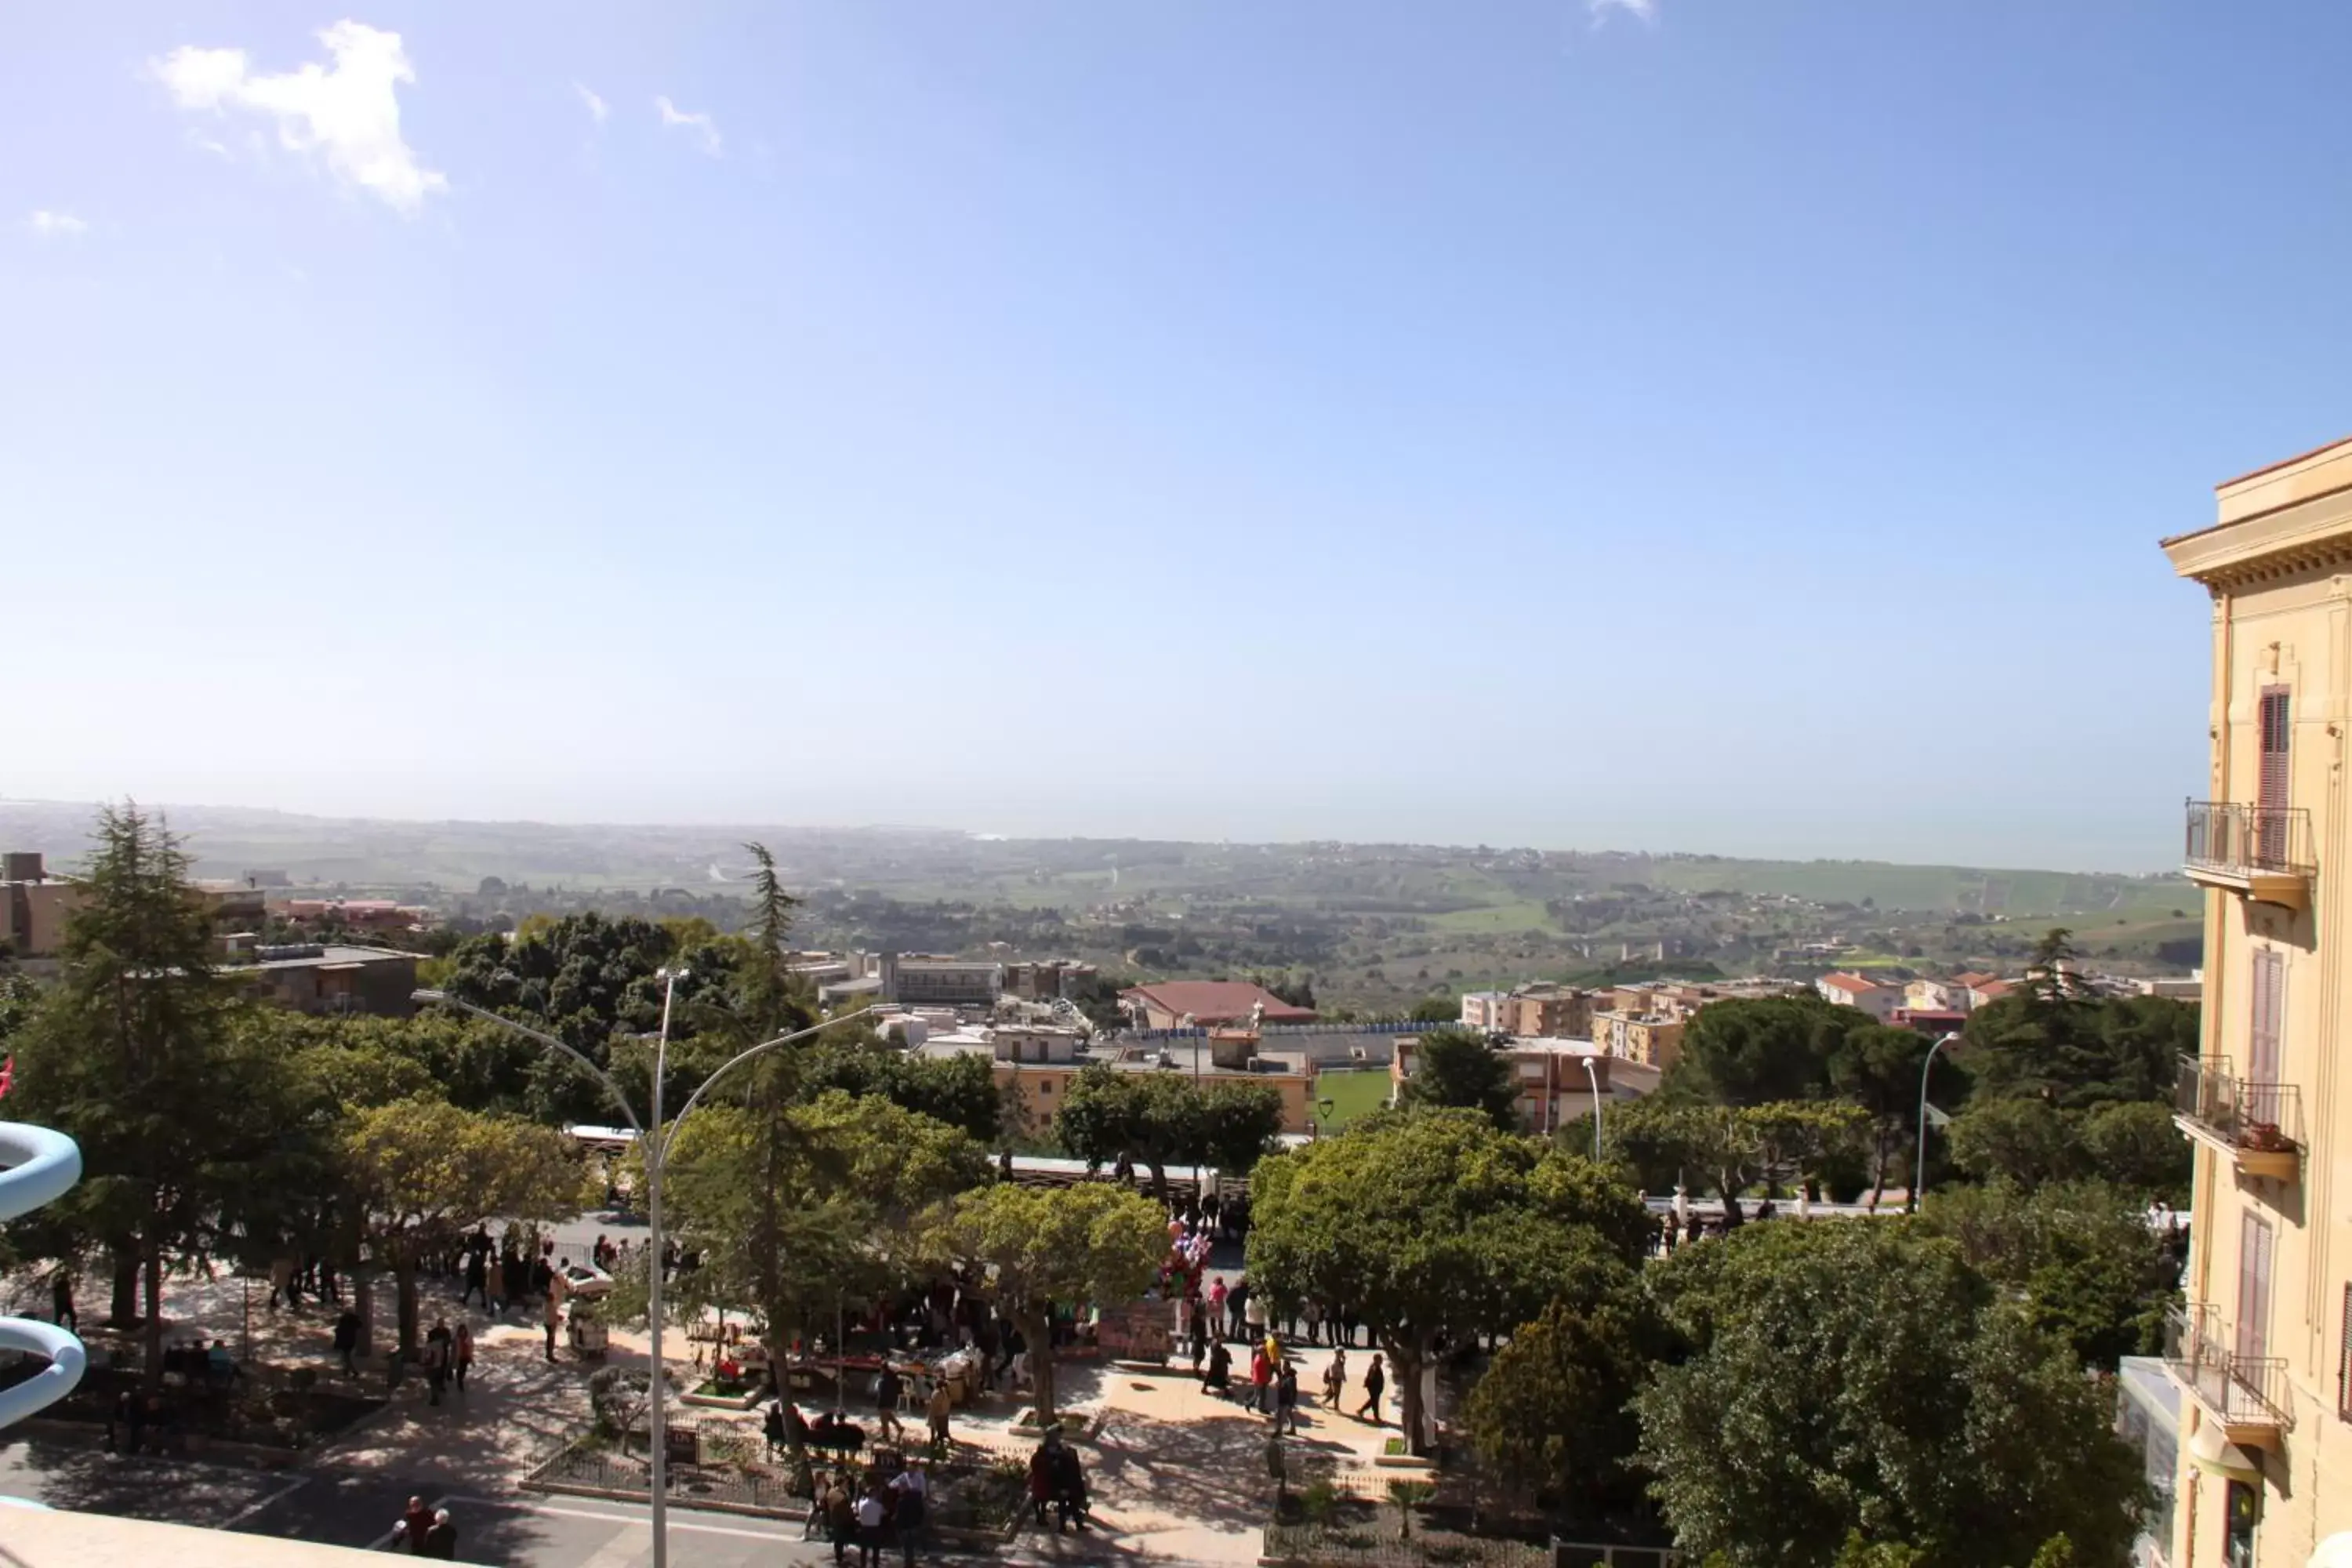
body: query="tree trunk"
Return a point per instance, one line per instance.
(363, 1285)
(122, 1312)
(1878, 1174)
(404, 1274)
(1406, 1361)
(1037, 1328)
(152, 1260)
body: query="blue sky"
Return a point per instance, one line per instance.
(1730, 425)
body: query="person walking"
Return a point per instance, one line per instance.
(440, 1538)
(477, 1277)
(1042, 1459)
(840, 1516)
(62, 1299)
(911, 1489)
(414, 1523)
(1261, 1381)
(1286, 1398)
(437, 1357)
(1219, 1317)
(1335, 1381)
(888, 1389)
(551, 1317)
(462, 1348)
(1253, 1315)
(1069, 1489)
(1375, 1383)
(870, 1514)
(281, 1281)
(347, 1340)
(942, 1403)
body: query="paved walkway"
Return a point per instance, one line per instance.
(1176, 1475)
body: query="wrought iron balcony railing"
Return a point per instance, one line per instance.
(2235, 839)
(2247, 1395)
(2258, 1125)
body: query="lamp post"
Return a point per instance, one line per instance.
(1593, 1078)
(654, 1142)
(1920, 1174)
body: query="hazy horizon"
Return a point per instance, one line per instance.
(1740, 428)
(759, 824)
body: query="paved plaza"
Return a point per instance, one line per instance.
(1176, 1475)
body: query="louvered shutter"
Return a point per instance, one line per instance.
(2275, 732)
(2254, 1286)
(2270, 1017)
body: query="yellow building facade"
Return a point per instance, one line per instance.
(2261, 1349)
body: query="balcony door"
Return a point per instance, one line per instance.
(2254, 1286)
(2271, 845)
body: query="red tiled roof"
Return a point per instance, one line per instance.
(1217, 1001)
(1995, 988)
(1844, 982)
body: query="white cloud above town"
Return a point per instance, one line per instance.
(592, 103)
(346, 112)
(47, 225)
(673, 117)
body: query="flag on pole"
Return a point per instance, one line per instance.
(7, 1076)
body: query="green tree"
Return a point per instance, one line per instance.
(1433, 1223)
(1455, 1068)
(794, 1209)
(1437, 1009)
(2025, 1141)
(1162, 1119)
(423, 1173)
(1753, 1052)
(960, 1090)
(135, 1054)
(2053, 1039)
(1861, 1379)
(2081, 1255)
(1554, 1411)
(1038, 1245)
(1877, 1067)
(2136, 1145)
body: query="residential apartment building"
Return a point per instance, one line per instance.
(33, 905)
(1538, 1010)
(2262, 1350)
(1652, 1039)
(920, 978)
(1557, 1079)
(327, 978)
(1853, 990)
(1035, 1068)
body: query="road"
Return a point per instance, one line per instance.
(355, 1509)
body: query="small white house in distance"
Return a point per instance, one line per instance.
(1853, 990)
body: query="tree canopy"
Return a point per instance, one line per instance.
(1162, 1119)
(1035, 1247)
(1861, 1379)
(1432, 1223)
(1456, 1068)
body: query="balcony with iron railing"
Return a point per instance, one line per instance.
(2257, 1126)
(2247, 1395)
(2255, 851)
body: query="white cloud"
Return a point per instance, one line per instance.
(56, 226)
(1640, 10)
(596, 109)
(673, 115)
(348, 112)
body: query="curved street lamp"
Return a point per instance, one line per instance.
(654, 1145)
(1919, 1175)
(1593, 1078)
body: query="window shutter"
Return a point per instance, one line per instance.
(2254, 1286)
(2270, 1016)
(2274, 734)
(2344, 1363)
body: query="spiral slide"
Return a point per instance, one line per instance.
(37, 1167)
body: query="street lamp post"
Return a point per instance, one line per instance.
(1919, 1173)
(655, 1142)
(1593, 1078)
